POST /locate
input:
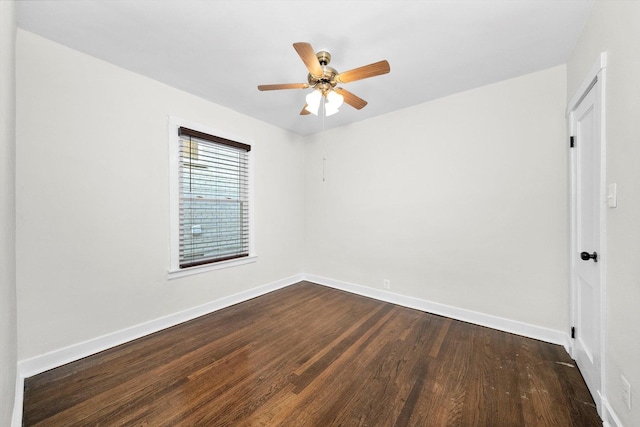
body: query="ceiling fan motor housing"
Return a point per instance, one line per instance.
(327, 80)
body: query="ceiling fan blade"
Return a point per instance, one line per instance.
(351, 99)
(371, 70)
(284, 86)
(304, 111)
(309, 58)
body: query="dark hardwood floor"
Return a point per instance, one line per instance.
(308, 355)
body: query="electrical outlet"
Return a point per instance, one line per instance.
(612, 195)
(626, 391)
(386, 283)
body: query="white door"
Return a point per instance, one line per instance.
(586, 257)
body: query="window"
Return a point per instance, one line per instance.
(210, 199)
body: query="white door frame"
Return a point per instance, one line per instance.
(595, 80)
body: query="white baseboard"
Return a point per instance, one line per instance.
(609, 417)
(53, 359)
(512, 326)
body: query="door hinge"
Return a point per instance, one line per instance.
(573, 332)
(572, 141)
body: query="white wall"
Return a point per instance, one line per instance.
(460, 201)
(92, 171)
(614, 26)
(7, 211)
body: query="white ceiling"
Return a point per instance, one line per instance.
(221, 50)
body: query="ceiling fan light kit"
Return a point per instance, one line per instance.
(323, 79)
(332, 102)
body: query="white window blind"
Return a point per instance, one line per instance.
(213, 205)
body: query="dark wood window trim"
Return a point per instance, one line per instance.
(211, 261)
(213, 138)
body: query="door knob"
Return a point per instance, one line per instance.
(586, 256)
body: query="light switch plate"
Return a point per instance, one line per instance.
(612, 195)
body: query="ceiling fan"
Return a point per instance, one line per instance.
(324, 79)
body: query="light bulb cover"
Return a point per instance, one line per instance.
(334, 99)
(329, 110)
(313, 102)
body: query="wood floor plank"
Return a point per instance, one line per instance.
(309, 355)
